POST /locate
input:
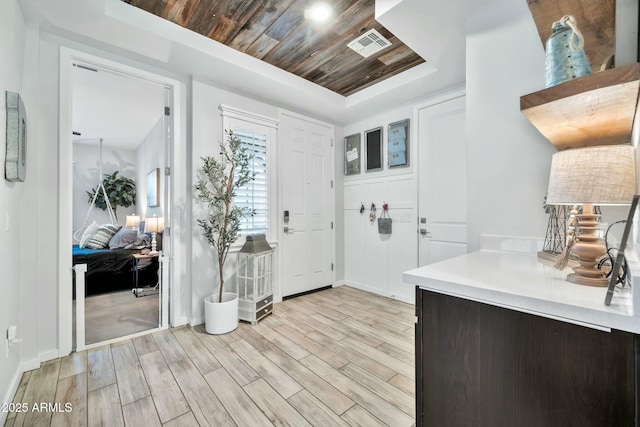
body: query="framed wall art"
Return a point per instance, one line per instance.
(352, 154)
(153, 188)
(15, 165)
(373, 144)
(398, 144)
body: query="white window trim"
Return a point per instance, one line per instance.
(236, 113)
(229, 113)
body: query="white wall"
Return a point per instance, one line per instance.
(508, 158)
(12, 245)
(207, 134)
(149, 156)
(86, 169)
(372, 261)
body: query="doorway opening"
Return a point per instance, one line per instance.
(119, 147)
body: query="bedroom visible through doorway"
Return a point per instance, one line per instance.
(120, 149)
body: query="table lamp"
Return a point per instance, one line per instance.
(153, 225)
(133, 221)
(601, 175)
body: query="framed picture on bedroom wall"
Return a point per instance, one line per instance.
(153, 188)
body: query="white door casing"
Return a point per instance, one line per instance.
(442, 181)
(172, 90)
(306, 177)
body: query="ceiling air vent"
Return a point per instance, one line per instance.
(369, 43)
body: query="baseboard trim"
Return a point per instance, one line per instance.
(180, 321)
(49, 355)
(11, 391)
(312, 291)
(30, 365)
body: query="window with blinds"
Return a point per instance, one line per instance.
(255, 195)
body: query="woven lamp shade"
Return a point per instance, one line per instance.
(601, 175)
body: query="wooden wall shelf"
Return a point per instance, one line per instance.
(597, 109)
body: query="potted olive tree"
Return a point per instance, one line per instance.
(220, 177)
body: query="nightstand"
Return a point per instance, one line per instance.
(137, 266)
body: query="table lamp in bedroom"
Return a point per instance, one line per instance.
(153, 225)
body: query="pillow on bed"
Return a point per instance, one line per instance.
(142, 241)
(101, 239)
(88, 234)
(122, 238)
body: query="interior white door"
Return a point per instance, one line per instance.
(442, 182)
(306, 215)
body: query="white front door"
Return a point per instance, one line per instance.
(442, 186)
(306, 215)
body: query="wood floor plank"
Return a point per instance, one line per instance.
(281, 341)
(196, 350)
(186, 420)
(72, 390)
(145, 344)
(40, 389)
(362, 315)
(100, 364)
(300, 326)
(131, 381)
(271, 373)
(141, 413)
(239, 405)
(248, 334)
(398, 398)
(334, 333)
(360, 394)
(332, 397)
(349, 330)
(73, 364)
(277, 409)
(359, 417)
(322, 352)
(119, 343)
(316, 412)
(382, 371)
(404, 383)
(295, 306)
(20, 392)
(399, 340)
(241, 372)
(169, 346)
(323, 309)
(206, 407)
(381, 357)
(104, 408)
(398, 353)
(164, 389)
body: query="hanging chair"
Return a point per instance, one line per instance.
(77, 235)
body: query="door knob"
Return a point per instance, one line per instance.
(288, 229)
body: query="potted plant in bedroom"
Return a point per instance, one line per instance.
(220, 177)
(120, 190)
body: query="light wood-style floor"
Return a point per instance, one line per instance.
(333, 358)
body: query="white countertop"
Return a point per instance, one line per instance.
(519, 282)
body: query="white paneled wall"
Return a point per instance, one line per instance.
(373, 261)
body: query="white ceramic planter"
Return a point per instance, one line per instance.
(221, 317)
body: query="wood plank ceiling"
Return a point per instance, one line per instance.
(277, 32)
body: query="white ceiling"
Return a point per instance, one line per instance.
(119, 109)
(432, 28)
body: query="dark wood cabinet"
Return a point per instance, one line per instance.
(483, 365)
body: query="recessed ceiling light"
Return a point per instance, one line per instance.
(318, 12)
